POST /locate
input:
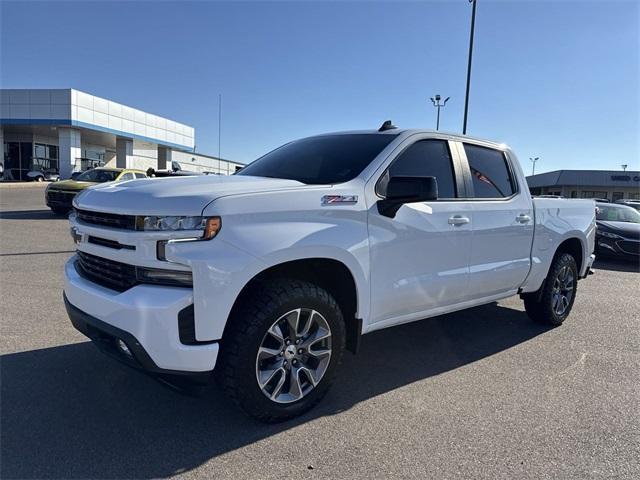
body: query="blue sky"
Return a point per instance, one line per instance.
(553, 79)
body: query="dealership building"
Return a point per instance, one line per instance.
(67, 130)
(610, 184)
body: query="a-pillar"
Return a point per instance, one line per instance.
(164, 158)
(68, 150)
(124, 152)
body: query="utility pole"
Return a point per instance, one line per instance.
(436, 103)
(466, 97)
(624, 167)
(534, 160)
(219, 128)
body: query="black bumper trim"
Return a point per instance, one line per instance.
(104, 336)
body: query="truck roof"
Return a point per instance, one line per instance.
(412, 131)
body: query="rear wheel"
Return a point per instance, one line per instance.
(282, 348)
(553, 302)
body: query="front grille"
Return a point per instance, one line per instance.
(630, 247)
(127, 222)
(108, 273)
(60, 196)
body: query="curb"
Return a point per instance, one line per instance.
(10, 185)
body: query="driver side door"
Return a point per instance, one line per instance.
(420, 258)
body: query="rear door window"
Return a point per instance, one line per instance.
(490, 172)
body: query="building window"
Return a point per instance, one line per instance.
(593, 194)
(574, 194)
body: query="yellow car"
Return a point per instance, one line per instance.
(59, 195)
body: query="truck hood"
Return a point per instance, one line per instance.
(174, 196)
(70, 185)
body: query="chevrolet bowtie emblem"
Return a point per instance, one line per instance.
(339, 200)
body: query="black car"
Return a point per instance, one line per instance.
(617, 230)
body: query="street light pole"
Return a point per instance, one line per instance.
(466, 97)
(624, 167)
(436, 103)
(534, 160)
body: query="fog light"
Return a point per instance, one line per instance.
(123, 348)
(75, 235)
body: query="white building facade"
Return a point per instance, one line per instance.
(69, 130)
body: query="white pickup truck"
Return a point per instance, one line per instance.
(265, 277)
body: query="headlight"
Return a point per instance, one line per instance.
(210, 226)
(609, 235)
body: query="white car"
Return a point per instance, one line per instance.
(267, 276)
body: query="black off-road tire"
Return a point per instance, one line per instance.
(540, 305)
(236, 370)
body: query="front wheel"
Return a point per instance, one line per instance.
(282, 349)
(553, 302)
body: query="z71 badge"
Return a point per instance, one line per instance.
(339, 200)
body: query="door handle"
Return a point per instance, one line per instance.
(458, 220)
(523, 218)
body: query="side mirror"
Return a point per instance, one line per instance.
(74, 175)
(401, 190)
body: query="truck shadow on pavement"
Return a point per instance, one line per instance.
(70, 412)
(31, 215)
(617, 264)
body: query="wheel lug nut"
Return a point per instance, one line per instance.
(288, 342)
(281, 353)
(295, 362)
(299, 351)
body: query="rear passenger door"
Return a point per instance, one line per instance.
(502, 221)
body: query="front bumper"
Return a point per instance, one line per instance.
(622, 247)
(144, 317)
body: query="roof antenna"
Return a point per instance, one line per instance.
(387, 125)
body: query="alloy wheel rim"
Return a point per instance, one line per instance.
(294, 355)
(563, 287)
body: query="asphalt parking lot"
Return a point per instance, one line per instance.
(478, 394)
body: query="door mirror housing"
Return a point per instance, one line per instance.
(401, 190)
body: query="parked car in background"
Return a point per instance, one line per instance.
(617, 230)
(59, 195)
(630, 203)
(42, 175)
(175, 171)
(268, 275)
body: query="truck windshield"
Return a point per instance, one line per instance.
(323, 160)
(98, 176)
(617, 213)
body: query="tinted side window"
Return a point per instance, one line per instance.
(140, 175)
(490, 172)
(126, 176)
(428, 158)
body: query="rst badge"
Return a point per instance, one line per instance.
(339, 200)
